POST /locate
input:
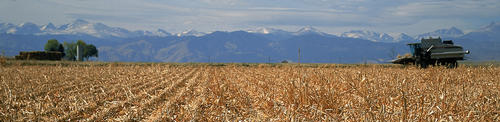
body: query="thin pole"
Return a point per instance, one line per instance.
(299, 56)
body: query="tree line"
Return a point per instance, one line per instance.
(69, 49)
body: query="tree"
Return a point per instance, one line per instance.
(52, 45)
(70, 50)
(61, 49)
(81, 43)
(90, 51)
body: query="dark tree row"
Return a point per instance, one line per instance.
(69, 49)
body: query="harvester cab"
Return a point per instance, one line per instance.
(415, 48)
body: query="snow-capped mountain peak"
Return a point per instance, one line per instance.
(6, 26)
(24, 28)
(368, 35)
(77, 27)
(161, 33)
(101, 26)
(80, 26)
(80, 22)
(309, 30)
(402, 37)
(47, 27)
(493, 26)
(263, 30)
(27, 24)
(452, 32)
(190, 32)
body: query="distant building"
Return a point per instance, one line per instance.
(39, 55)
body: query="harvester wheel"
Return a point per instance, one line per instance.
(420, 63)
(455, 64)
(451, 64)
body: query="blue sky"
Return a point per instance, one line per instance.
(332, 16)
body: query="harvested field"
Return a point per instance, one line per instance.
(233, 92)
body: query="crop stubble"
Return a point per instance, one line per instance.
(265, 93)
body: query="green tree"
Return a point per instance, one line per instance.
(81, 43)
(90, 51)
(70, 50)
(61, 49)
(52, 45)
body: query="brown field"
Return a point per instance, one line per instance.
(258, 92)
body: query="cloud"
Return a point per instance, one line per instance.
(206, 15)
(464, 8)
(221, 2)
(105, 17)
(278, 9)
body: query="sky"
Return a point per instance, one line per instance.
(331, 16)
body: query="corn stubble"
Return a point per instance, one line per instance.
(259, 93)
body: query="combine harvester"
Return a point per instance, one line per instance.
(433, 52)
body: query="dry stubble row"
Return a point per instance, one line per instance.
(149, 93)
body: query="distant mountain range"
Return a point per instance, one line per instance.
(255, 45)
(99, 30)
(77, 27)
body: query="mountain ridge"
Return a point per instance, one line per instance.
(100, 30)
(258, 45)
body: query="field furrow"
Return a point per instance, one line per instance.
(241, 92)
(138, 94)
(148, 105)
(175, 101)
(100, 97)
(132, 100)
